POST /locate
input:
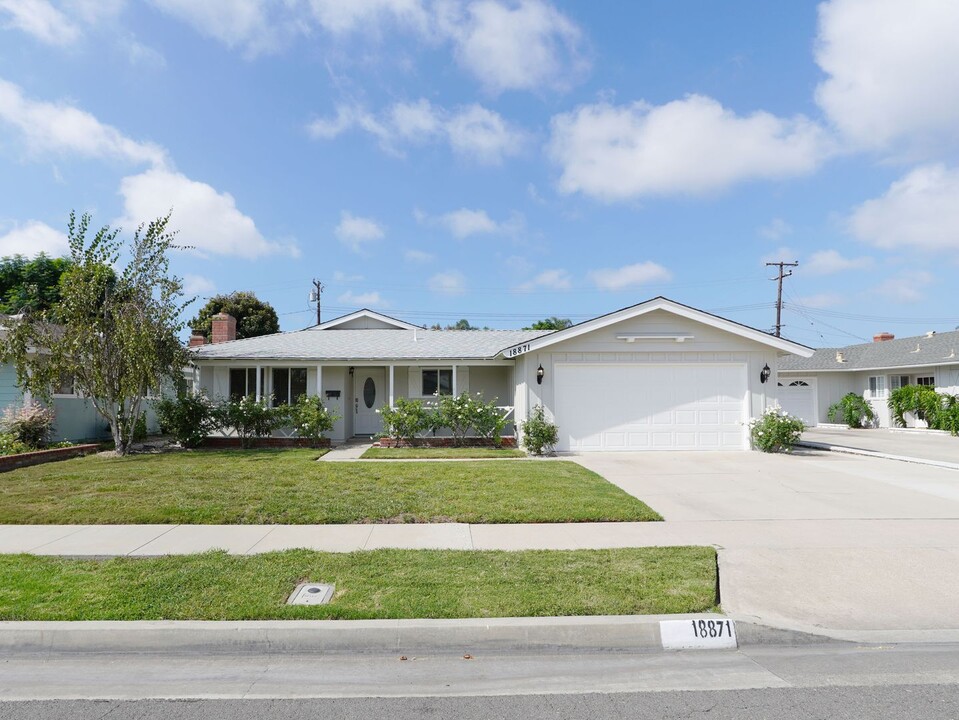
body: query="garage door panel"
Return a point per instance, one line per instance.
(649, 407)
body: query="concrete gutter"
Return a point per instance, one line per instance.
(590, 634)
(873, 453)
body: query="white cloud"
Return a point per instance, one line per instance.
(525, 45)
(206, 219)
(255, 25)
(32, 238)
(907, 286)
(60, 128)
(776, 229)
(368, 299)
(143, 55)
(198, 285)
(548, 279)
(890, 71)
(472, 131)
(341, 277)
(448, 283)
(821, 300)
(418, 256)
(337, 16)
(828, 262)
(920, 210)
(355, 232)
(689, 146)
(641, 273)
(40, 19)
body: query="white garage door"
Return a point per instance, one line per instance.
(618, 407)
(798, 398)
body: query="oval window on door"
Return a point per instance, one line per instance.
(369, 392)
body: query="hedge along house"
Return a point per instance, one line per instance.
(655, 376)
(809, 386)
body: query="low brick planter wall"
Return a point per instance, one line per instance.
(38, 457)
(506, 442)
(221, 443)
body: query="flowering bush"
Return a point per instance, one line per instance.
(311, 418)
(9, 445)
(188, 418)
(29, 424)
(776, 431)
(251, 418)
(456, 412)
(488, 420)
(539, 435)
(407, 419)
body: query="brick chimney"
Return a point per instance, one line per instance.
(883, 336)
(196, 340)
(224, 328)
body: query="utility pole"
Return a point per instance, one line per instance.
(315, 294)
(779, 295)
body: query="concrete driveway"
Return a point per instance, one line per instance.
(857, 547)
(926, 446)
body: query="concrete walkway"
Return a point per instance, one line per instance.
(930, 448)
(348, 451)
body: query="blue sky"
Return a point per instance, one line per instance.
(504, 160)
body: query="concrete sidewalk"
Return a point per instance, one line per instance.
(923, 447)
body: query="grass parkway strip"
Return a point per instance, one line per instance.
(378, 584)
(287, 487)
(440, 453)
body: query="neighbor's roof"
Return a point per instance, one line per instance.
(350, 345)
(938, 349)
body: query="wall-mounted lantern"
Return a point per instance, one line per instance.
(540, 373)
(765, 373)
(351, 370)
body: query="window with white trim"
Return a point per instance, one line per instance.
(243, 382)
(898, 381)
(437, 382)
(288, 385)
(928, 381)
(66, 387)
(877, 386)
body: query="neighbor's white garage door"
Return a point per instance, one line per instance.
(798, 398)
(650, 407)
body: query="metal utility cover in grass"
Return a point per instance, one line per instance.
(311, 594)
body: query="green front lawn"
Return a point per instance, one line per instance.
(287, 487)
(378, 584)
(440, 453)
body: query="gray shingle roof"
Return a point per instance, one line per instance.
(313, 344)
(939, 349)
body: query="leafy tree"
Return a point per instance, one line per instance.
(254, 317)
(462, 324)
(550, 323)
(115, 331)
(30, 285)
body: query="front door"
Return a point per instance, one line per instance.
(369, 394)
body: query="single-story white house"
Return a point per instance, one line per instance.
(655, 376)
(809, 385)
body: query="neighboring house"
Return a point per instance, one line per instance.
(655, 376)
(76, 417)
(808, 386)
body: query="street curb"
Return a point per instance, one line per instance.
(591, 633)
(876, 454)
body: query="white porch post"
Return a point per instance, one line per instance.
(319, 381)
(196, 380)
(455, 394)
(259, 383)
(391, 386)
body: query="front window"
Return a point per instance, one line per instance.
(928, 381)
(65, 386)
(243, 382)
(288, 385)
(437, 382)
(898, 381)
(877, 386)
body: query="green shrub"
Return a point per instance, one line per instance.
(539, 435)
(852, 410)
(188, 418)
(948, 419)
(921, 400)
(251, 418)
(311, 418)
(29, 424)
(488, 420)
(776, 431)
(407, 419)
(10, 445)
(457, 413)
